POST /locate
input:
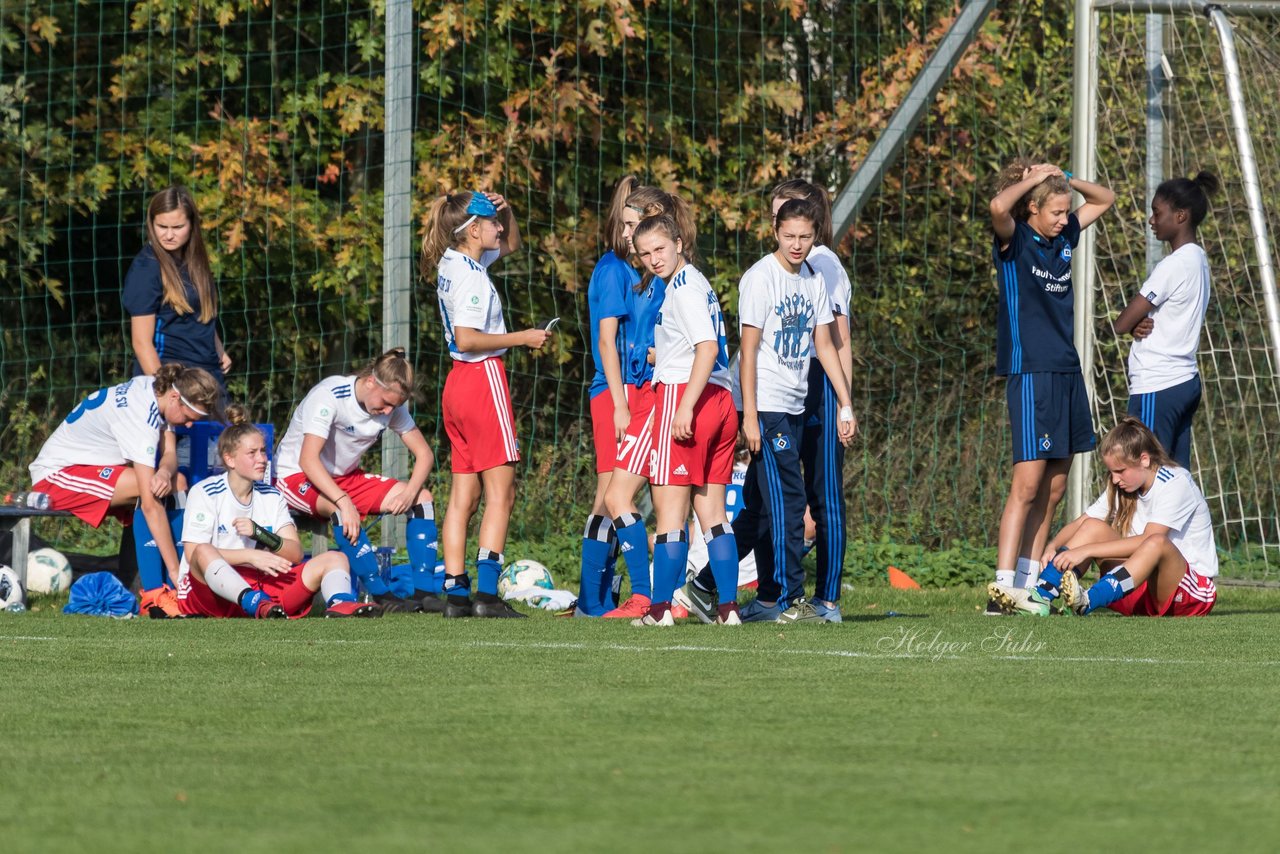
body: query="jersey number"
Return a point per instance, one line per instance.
(93, 401)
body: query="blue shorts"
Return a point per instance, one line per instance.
(1168, 413)
(1049, 414)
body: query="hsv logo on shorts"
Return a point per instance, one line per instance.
(781, 443)
(105, 474)
(305, 485)
(1046, 444)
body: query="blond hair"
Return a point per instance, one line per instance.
(1128, 441)
(1014, 173)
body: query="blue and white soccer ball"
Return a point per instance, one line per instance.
(525, 574)
(48, 572)
(10, 588)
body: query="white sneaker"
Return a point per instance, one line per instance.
(648, 620)
(698, 603)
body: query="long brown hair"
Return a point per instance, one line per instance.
(195, 384)
(1128, 441)
(193, 256)
(446, 214)
(1014, 173)
(798, 189)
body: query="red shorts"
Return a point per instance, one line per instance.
(478, 417)
(634, 451)
(85, 491)
(367, 491)
(195, 597)
(708, 456)
(1195, 597)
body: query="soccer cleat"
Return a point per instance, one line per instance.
(495, 608)
(801, 611)
(432, 603)
(828, 613)
(353, 609)
(993, 609)
(727, 615)
(395, 605)
(1075, 599)
(1018, 600)
(697, 602)
(648, 620)
(456, 606)
(161, 603)
(270, 609)
(754, 612)
(634, 608)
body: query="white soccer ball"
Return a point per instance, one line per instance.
(10, 587)
(523, 575)
(48, 571)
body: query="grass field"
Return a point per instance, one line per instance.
(937, 729)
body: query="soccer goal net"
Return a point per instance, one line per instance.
(1163, 110)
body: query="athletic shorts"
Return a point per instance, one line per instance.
(478, 417)
(367, 491)
(1049, 414)
(1168, 413)
(85, 491)
(1195, 597)
(195, 597)
(634, 451)
(708, 456)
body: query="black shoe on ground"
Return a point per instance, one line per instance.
(492, 606)
(456, 606)
(432, 603)
(395, 605)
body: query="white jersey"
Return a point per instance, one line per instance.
(1174, 501)
(113, 426)
(690, 315)
(468, 298)
(212, 509)
(330, 410)
(839, 286)
(786, 308)
(1179, 289)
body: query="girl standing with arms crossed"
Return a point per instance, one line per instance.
(102, 459)
(1035, 233)
(241, 556)
(466, 233)
(318, 472)
(695, 423)
(1164, 382)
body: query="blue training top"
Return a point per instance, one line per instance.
(609, 295)
(1037, 311)
(645, 307)
(179, 338)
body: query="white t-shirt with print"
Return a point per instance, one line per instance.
(113, 426)
(330, 410)
(690, 315)
(467, 297)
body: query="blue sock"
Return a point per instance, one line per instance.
(609, 578)
(1050, 586)
(437, 579)
(722, 553)
(488, 568)
(597, 540)
(364, 564)
(250, 600)
(670, 553)
(635, 551)
(150, 564)
(1110, 588)
(420, 532)
(340, 597)
(457, 586)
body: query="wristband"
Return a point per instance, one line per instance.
(1067, 175)
(846, 413)
(271, 541)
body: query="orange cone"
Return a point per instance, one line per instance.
(900, 580)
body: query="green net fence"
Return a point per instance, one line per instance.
(272, 113)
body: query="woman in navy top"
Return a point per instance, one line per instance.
(169, 292)
(1035, 234)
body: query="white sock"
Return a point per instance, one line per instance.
(334, 583)
(224, 581)
(1004, 577)
(1028, 574)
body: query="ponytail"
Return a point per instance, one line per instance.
(446, 214)
(391, 370)
(1128, 441)
(1190, 194)
(239, 426)
(613, 224)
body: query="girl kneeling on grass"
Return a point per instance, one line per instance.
(1149, 532)
(241, 555)
(695, 422)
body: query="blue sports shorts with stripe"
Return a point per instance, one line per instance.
(1049, 416)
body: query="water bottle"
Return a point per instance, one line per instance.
(33, 500)
(15, 607)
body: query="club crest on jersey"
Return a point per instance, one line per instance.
(1046, 444)
(475, 300)
(781, 443)
(105, 474)
(1066, 253)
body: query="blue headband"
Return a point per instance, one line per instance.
(478, 206)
